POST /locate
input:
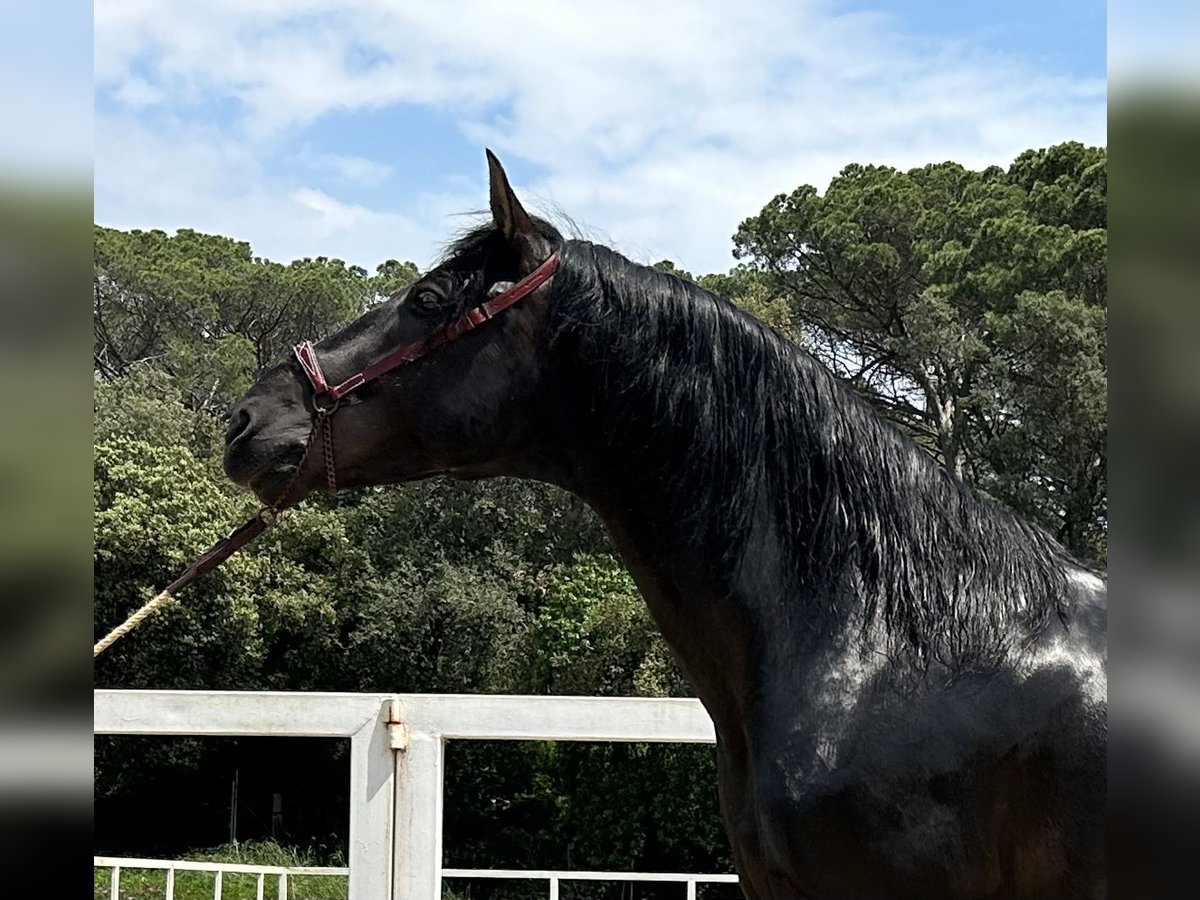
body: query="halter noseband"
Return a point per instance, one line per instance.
(326, 398)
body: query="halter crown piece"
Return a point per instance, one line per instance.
(325, 403)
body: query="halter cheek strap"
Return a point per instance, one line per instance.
(311, 366)
(326, 397)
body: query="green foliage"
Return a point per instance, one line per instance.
(665, 265)
(452, 630)
(156, 509)
(594, 635)
(147, 405)
(755, 295)
(652, 802)
(747, 289)
(970, 307)
(391, 277)
(583, 806)
(210, 313)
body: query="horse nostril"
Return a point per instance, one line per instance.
(239, 423)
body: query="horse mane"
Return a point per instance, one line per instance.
(747, 425)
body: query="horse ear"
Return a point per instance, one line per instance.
(507, 212)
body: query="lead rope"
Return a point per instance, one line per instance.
(324, 416)
(238, 538)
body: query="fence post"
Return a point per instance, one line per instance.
(418, 835)
(372, 800)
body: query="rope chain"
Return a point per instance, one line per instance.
(327, 447)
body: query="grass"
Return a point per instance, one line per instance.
(149, 884)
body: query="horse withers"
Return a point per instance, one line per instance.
(908, 682)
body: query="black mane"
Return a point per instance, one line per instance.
(748, 425)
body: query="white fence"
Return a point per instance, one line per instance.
(397, 751)
(117, 864)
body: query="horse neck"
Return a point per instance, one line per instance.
(728, 524)
(616, 448)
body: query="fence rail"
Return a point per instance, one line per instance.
(554, 877)
(116, 864)
(397, 762)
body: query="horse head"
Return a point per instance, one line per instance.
(418, 387)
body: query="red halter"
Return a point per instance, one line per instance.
(307, 355)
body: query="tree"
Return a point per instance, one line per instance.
(754, 294)
(593, 634)
(667, 266)
(970, 307)
(392, 276)
(746, 289)
(210, 313)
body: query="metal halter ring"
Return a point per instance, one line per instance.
(325, 410)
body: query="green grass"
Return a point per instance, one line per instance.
(148, 884)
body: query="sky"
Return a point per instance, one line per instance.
(356, 129)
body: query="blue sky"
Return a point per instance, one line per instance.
(356, 128)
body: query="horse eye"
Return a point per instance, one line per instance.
(428, 301)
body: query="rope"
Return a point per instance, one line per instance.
(248, 531)
(209, 560)
(132, 622)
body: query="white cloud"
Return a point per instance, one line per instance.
(199, 179)
(658, 125)
(135, 92)
(333, 216)
(346, 169)
(355, 169)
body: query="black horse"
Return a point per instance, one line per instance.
(908, 682)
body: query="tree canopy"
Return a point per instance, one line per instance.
(971, 308)
(205, 309)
